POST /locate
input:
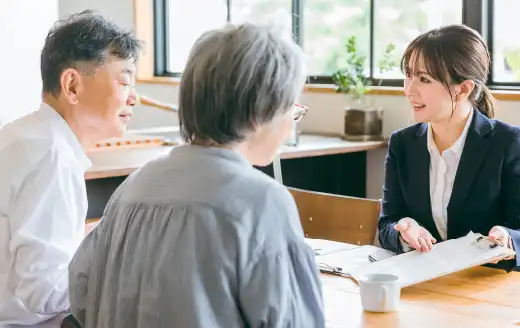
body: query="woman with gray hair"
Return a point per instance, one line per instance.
(200, 238)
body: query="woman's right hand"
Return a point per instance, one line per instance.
(415, 235)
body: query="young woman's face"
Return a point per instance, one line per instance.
(430, 100)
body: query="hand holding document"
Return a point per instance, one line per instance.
(447, 257)
(414, 235)
(501, 236)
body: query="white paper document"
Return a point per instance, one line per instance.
(348, 259)
(445, 258)
(323, 247)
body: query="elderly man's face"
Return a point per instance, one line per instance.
(106, 99)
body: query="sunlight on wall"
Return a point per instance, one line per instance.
(22, 32)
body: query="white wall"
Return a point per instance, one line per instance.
(22, 32)
(121, 11)
(326, 109)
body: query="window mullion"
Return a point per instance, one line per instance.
(297, 21)
(228, 3)
(161, 31)
(489, 25)
(478, 14)
(371, 38)
(474, 15)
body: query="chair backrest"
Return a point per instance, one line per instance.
(376, 237)
(339, 218)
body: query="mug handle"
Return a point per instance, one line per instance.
(384, 295)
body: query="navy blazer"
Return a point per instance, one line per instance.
(486, 191)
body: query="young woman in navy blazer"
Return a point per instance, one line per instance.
(457, 170)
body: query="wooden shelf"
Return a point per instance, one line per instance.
(125, 160)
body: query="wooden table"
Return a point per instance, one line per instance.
(477, 297)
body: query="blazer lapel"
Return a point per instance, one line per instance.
(418, 165)
(475, 149)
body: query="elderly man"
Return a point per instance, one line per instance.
(87, 67)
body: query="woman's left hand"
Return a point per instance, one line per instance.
(500, 234)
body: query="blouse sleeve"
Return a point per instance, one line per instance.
(393, 205)
(282, 290)
(79, 270)
(511, 199)
(280, 285)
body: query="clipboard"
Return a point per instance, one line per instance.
(445, 258)
(343, 260)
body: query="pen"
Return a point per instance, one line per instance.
(372, 258)
(337, 271)
(495, 243)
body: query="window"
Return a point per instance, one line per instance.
(326, 26)
(186, 20)
(505, 42)
(400, 21)
(181, 30)
(322, 27)
(267, 11)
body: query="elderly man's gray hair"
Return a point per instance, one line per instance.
(237, 77)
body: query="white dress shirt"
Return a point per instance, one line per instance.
(443, 168)
(43, 205)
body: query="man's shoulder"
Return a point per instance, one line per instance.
(22, 153)
(26, 149)
(27, 130)
(24, 159)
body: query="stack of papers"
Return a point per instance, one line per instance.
(415, 267)
(323, 247)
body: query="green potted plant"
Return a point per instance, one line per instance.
(363, 122)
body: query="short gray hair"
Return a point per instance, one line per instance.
(237, 77)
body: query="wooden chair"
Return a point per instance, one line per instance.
(339, 218)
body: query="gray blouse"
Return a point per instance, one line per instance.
(197, 238)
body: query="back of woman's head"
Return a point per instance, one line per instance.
(236, 78)
(453, 54)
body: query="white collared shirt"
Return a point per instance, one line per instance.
(43, 205)
(443, 168)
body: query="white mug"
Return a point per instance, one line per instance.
(380, 292)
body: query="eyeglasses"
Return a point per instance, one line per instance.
(299, 112)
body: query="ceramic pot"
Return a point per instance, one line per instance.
(363, 124)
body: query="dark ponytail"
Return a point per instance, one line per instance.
(485, 101)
